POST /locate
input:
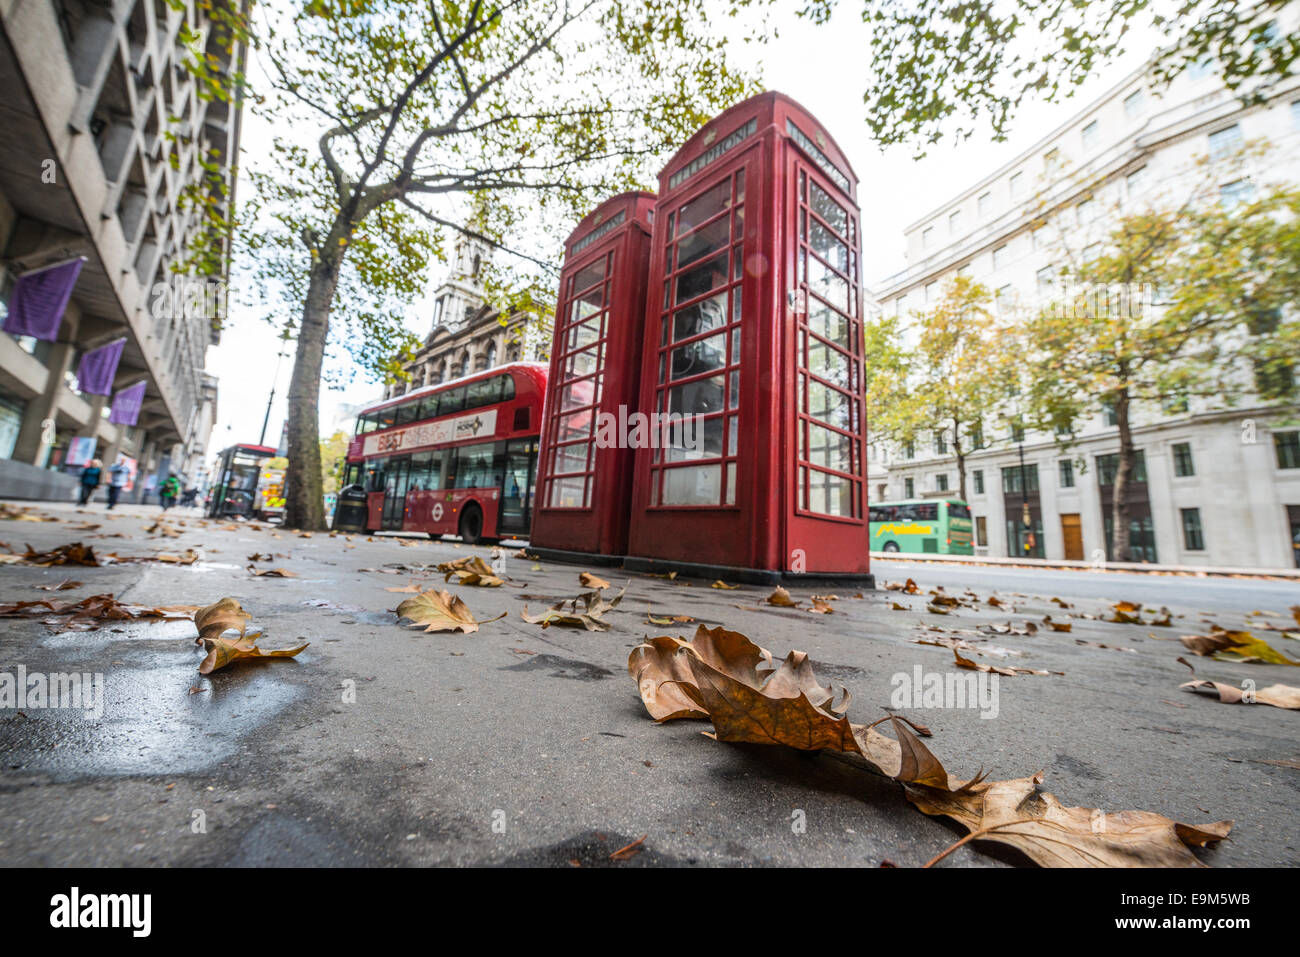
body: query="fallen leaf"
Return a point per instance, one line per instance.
(470, 570)
(441, 611)
(1234, 646)
(1279, 696)
(781, 598)
(584, 611)
(588, 580)
(721, 584)
(272, 572)
(628, 850)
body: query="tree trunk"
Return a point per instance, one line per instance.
(304, 505)
(1119, 493)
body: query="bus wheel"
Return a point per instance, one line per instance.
(890, 547)
(471, 525)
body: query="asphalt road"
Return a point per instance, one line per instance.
(524, 745)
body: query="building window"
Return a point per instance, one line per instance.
(1134, 104)
(1183, 459)
(941, 482)
(1086, 212)
(1108, 413)
(1287, 446)
(1295, 113)
(1005, 296)
(1037, 238)
(1201, 69)
(1238, 191)
(1067, 473)
(1136, 181)
(1225, 143)
(1018, 179)
(981, 530)
(1175, 404)
(1091, 134)
(1052, 161)
(930, 289)
(1017, 432)
(927, 235)
(909, 449)
(1046, 277)
(984, 204)
(1016, 479)
(940, 444)
(1000, 256)
(909, 488)
(1108, 468)
(978, 477)
(1193, 538)
(976, 434)
(954, 222)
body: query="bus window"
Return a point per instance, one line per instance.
(435, 470)
(452, 401)
(375, 477)
(475, 466)
(958, 509)
(428, 407)
(483, 392)
(407, 413)
(385, 418)
(927, 511)
(507, 388)
(419, 480)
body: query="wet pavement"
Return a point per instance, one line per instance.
(381, 744)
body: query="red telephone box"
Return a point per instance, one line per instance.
(752, 357)
(585, 473)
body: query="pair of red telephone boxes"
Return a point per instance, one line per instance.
(705, 401)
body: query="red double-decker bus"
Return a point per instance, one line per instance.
(458, 458)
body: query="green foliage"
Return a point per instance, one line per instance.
(932, 62)
(959, 371)
(333, 454)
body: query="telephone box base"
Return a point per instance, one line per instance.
(566, 557)
(749, 576)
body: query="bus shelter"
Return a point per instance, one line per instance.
(585, 471)
(238, 471)
(751, 367)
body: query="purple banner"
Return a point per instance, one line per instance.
(39, 298)
(98, 366)
(126, 405)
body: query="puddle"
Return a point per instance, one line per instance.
(150, 724)
(562, 668)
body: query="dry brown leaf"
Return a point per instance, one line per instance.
(588, 580)
(471, 570)
(88, 613)
(820, 606)
(1279, 696)
(74, 553)
(1020, 814)
(227, 649)
(585, 611)
(441, 611)
(719, 583)
(1234, 646)
(1006, 670)
(781, 598)
(272, 572)
(731, 682)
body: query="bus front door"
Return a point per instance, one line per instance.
(399, 471)
(517, 488)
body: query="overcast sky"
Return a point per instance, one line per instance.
(823, 68)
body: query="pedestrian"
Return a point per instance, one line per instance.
(90, 479)
(171, 487)
(118, 474)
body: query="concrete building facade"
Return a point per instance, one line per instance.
(103, 135)
(1217, 485)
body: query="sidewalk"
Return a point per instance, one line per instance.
(1201, 571)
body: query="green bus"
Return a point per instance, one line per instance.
(928, 526)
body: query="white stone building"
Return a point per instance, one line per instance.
(1217, 485)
